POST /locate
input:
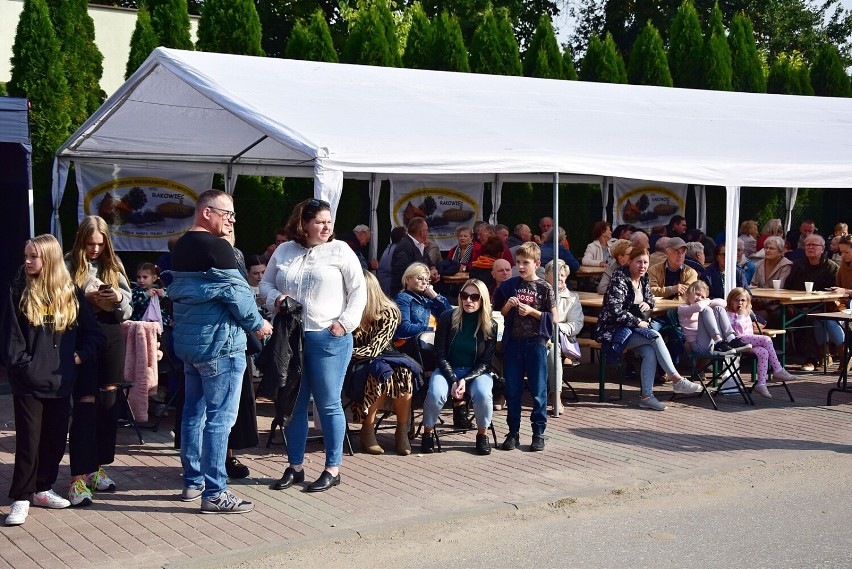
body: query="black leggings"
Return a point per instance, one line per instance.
(94, 425)
(41, 426)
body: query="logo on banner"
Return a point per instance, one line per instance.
(143, 207)
(442, 208)
(649, 205)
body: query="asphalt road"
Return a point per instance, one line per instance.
(778, 515)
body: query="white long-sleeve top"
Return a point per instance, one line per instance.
(570, 312)
(326, 279)
(595, 254)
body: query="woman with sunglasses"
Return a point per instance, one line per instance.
(419, 304)
(324, 276)
(464, 347)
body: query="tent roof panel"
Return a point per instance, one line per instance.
(370, 119)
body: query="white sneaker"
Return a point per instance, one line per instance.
(784, 375)
(50, 499)
(652, 403)
(18, 513)
(98, 481)
(79, 494)
(686, 386)
(762, 390)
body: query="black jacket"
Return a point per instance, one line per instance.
(405, 253)
(444, 337)
(281, 359)
(40, 361)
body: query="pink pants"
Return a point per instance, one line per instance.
(764, 351)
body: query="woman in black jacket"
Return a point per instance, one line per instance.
(48, 330)
(465, 341)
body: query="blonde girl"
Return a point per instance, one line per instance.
(48, 330)
(97, 270)
(371, 340)
(739, 313)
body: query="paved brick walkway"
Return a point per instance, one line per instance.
(594, 447)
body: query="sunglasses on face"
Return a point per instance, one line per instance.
(473, 296)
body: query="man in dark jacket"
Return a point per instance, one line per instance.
(411, 249)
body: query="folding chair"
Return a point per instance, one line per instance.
(701, 363)
(124, 389)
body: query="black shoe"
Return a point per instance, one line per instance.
(739, 345)
(324, 482)
(483, 447)
(723, 348)
(427, 443)
(511, 442)
(288, 478)
(460, 420)
(537, 443)
(235, 468)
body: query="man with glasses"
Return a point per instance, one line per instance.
(411, 249)
(213, 306)
(816, 268)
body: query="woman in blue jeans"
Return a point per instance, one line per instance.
(325, 277)
(464, 347)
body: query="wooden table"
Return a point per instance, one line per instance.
(458, 278)
(585, 271)
(844, 318)
(584, 277)
(803, 304)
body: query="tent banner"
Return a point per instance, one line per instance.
(445, 205)
(142, 207)
(646, 204)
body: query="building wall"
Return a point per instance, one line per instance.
(113, 28)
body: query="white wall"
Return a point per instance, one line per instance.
(113, 28)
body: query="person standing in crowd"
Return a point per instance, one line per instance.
(358, 239)
(48, 329)
(213, 308)
(411, 249)
(97, 270)
(324, 276)
(525, 301)
(385, 273)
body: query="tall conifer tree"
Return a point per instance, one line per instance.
(828, 74)
(142, 42)
(747, 73)
(686, 48)
(602, 62)
(491, 51)
(367, 43)
(717, 54)
(418, 47)
(230, 26)
(170, 20)
(448, 50)
(568, 70)
(312, 42)
(543, 58)
(648, 63)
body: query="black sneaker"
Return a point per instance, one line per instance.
(483, 447)
(537, 443)
(427, 443)
(511, 442)
(723, 348)
(235, 469)
(460, 420)
(739, 345)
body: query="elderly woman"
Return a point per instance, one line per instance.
(419, 304)
(774, 265)
(624, 325)
(467, 249)
(748, 233)
(570, 322)
(597, 252)
(389, 377)
(325, 277)
(695, 256)
(620, 252)
(464, 347)
(771, 228)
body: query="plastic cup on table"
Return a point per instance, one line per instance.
(809, 286)
(776, 284)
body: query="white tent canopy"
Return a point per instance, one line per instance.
(251, 115)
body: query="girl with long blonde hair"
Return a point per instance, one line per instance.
(48, 330)
(465, 341)
(372, 350)
(97, 270)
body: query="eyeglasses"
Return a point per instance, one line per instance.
(813, 245)
(225, 213)
(475, 296)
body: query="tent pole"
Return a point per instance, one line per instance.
(732, 222)
(555, 355)
(790, 202)
(375, 186)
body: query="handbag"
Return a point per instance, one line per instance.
(153, 313)
(570, 346)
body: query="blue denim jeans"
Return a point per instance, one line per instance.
(525, 357)
(828, 329)
(326, 359)
(652, 352)
(479, 389)
(209, 412)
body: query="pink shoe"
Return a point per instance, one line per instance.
(762, 390)
(784, 375)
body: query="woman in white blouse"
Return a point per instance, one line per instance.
(597, 252)
(325, 277)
